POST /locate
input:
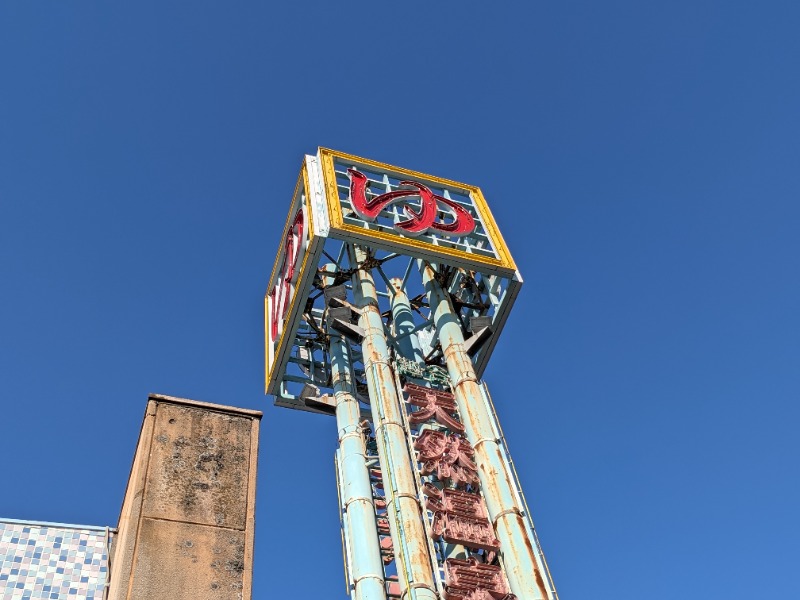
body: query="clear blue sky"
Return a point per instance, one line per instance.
(640, 157)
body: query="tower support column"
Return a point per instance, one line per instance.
(412, 555)
(359, 511)
(403, 319)
(516, 546)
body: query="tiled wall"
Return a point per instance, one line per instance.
(52, 561)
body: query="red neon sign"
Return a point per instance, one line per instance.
(449, 456)
(460, 518)
(434, 404)
(282, 290)
(471, 580)
(418, 221)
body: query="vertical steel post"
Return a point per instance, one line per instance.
(356, 492)
(505, 512)
(403, 319)
(412, 555)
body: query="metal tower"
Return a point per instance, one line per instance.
(388, 294)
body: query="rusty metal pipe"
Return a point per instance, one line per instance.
(505, 511)
(414, 564)
(366, 564)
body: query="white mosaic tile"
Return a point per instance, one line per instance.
(43, 561)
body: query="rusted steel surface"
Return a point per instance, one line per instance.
(505, 511)
(410, 546)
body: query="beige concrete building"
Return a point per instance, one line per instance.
(187, 524)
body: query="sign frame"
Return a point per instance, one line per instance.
(276, 351)
(503, 264)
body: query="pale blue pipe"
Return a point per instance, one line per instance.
(505, 511)
(509, 464)
(366, 565)
(412, 555)
(403, 320)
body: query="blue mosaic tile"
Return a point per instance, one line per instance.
(51, 561)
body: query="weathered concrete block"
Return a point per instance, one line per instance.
(187, 523)
(192, 561)
(200, 466)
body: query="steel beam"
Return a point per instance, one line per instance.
(412, 555)
(497, 483)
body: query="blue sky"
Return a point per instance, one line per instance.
(641, 159)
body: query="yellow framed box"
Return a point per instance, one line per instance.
(499, 260)
(322, 215)
(280, 325)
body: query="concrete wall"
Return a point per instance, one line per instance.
(187, 522)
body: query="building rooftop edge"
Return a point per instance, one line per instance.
(52, 524)
(207, 405)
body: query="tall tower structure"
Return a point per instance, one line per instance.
(388, 294)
